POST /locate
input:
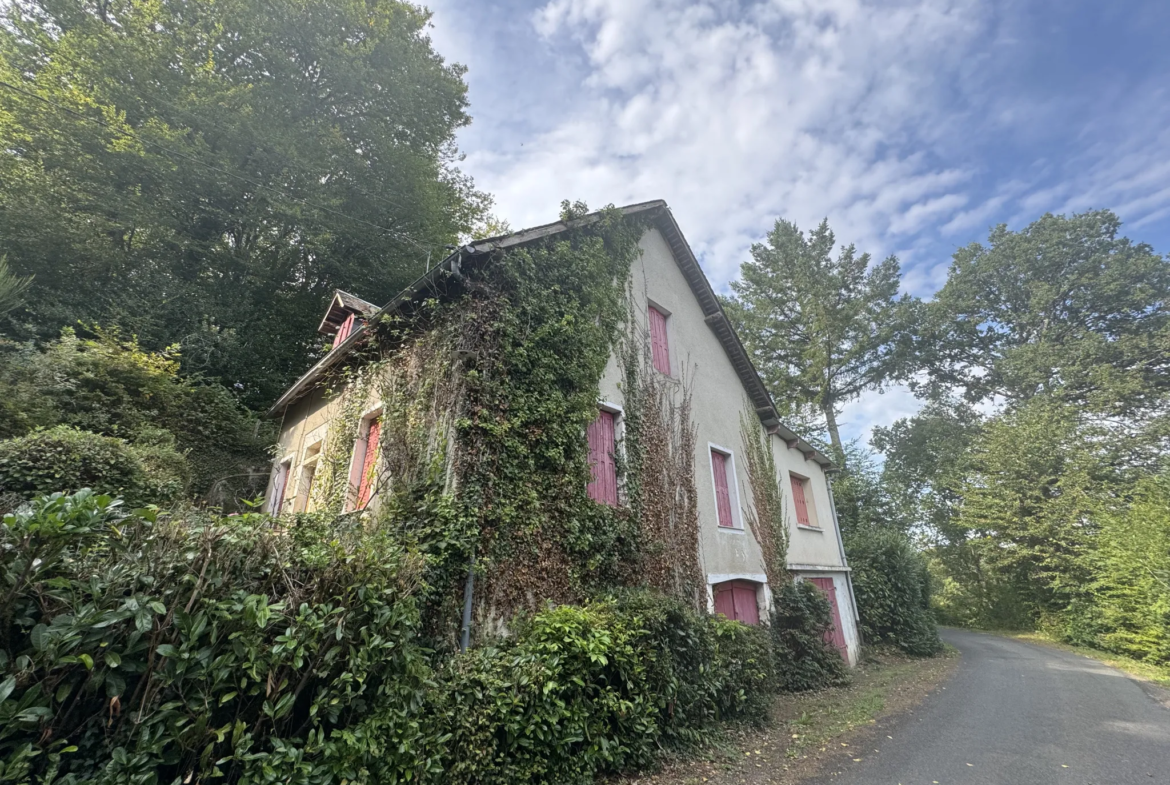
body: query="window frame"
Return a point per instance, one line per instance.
(732, 488)
(307, 474)
(666, 315)
(280, 485)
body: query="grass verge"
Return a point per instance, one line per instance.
(809, 730)
(1144, 671)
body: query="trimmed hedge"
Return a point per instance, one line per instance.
(892, 585)
(63, 458)
(140, 648)
(805, 660)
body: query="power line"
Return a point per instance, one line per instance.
(212, 167)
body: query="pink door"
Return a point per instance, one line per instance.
(737, 601)
(836, 635)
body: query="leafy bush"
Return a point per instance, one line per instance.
(65, 458)
(801, 617)
(111, 386)
(157, 650)
(582, 691)
(892, 586)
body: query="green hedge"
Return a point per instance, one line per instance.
(892, 585)
(140, 648)
(150, 471)
(801, 618)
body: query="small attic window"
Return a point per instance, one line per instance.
(347, 327)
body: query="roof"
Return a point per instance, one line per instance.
(661, 217)
(340, 307)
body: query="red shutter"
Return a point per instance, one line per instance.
(659, 348)
(747, 609)
(725, 600)
(602, 463)
(722, 496)
(369, 464)
(737, 601)
(799, 501)
(345, 329)
(836, 635)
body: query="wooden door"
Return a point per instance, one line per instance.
(836, 635)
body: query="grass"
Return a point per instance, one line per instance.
(1156, 674)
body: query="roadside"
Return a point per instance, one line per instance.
(811, 732)
(1155, 679)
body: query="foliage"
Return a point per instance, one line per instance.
(207, 172)
(112, 386)
(157, 649)
(801, 618)
(821, 331)
(153, 648)
(12, 287)
(892, 586)
(64, 458)
(765, 517)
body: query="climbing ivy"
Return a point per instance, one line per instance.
(765, 517)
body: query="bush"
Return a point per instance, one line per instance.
(801, 618)
(582, 691)
(892, 586)
(111, 386)
(193, 648)
(64, 458)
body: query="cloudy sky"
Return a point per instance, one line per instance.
(912, 126)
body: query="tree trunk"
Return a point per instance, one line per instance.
(834, 434)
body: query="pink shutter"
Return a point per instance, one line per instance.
(836, 635)
(722, 496)
(602, 463)
(747, 609)
(659, 348)
(799, 501)
(369, 464)
(345, 329)
(725, 600)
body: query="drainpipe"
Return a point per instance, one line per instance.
(844, 561)
(468, 597)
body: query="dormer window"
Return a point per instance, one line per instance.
(345, 315)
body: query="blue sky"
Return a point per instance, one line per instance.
(912, 126)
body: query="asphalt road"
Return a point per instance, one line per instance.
(1021, 714)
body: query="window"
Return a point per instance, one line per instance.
(345, 329)
(721, 470)
(602, 461)
(365, 459)
(800, 500)
(659, 346)
(737, 601)
(279, 485)
(304, 500)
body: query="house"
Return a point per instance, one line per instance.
(691, 352)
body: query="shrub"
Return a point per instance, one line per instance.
(801, 618)
(64, 458)
(892, 586)
(170, 649)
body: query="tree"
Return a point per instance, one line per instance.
(206, 172)
(821, 330)
(12, 288)
(1064, 307)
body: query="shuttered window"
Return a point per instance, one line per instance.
(345, 329)
(737, 601)
(602, 462)
(799, 501)
(722, 494)
(659, 347)
(369, 464)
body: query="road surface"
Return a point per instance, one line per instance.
(1021, 714)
